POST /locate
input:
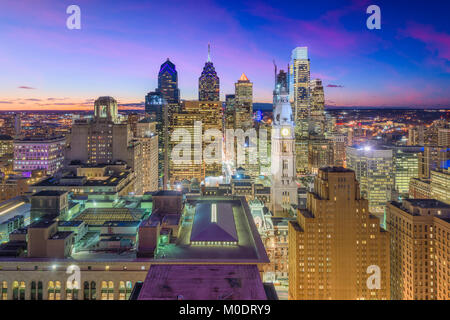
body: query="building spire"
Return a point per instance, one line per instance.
(209, 53)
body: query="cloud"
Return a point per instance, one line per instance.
(26, 87)
(6, 102)
(334, 86)
(32, 99)
(436, 43)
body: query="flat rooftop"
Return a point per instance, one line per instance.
(427, 203)
(214, 222)
(49, 193)
(249, 248)
(203, 282)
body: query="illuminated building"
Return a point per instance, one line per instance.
(39, 153)
(216, 243)
(405, 161)
(374, 171)
(6, 146)
(444, 137)
(284, 187)
(433, 158)
(12, 187)
(300, 98)
(320, 153)
(419, 189)
(299, 88)
(209, 114)
(317, 112)
(148, 140)
(157, 108)
(243, 103)
(440, 185)
(208, 83)
(168, 82)
(419, 230)
(335, 241)
(102, 140)
(340, 143)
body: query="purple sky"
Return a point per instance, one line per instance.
(121, 45)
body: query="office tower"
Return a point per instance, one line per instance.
(243, 103)
(158, 110)
(184, 123)
(317, 113)
(300, 98)
(168, 82)
(143, 156)
(102, 140)
(284, 187)
(6, 146)
(299, 90)
(39, 153)
(444, 137)
(340, 143)
(433, 158)
(229, 113)
(405, 160)
(132, 120)
(320, 153)
(419, 230)
(374, 171)
(419, 189)
(208, 83)
(440, 185)
(336, 244)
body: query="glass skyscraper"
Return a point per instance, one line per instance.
(168, 82)
(208, 83)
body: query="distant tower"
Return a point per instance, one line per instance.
(106, 108)
(284, 186)
(17, 125)
(168, 82)
(244, 103)
(208, 83)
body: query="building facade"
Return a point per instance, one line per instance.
(336, 243)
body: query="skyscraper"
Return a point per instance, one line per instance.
(102, 140)
(419, 230)
(168, 82)
(336, 243)
(374, 171)
(243, 103)
(317, 113)
(158, 110)
(208, 83)
(284, 187)
(299, 77)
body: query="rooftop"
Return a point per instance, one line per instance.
(49, 193)
(428, 203)
(214, 222)
(203, 282)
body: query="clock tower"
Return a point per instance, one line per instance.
(284, 187)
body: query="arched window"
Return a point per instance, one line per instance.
(15, 288)
(4, 292)
(57, 290)
(86, 292)
(104, 291)
(93, 290)
(129, 289)
(51, 290)
(110, 290)
(122, 290)
(33, 290)
(39, 291)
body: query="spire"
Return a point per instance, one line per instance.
(243, 77)
(209, 53)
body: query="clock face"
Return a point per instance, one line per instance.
(285, 132)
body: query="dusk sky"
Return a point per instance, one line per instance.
(121, 45)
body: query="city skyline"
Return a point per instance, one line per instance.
(47, 66)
